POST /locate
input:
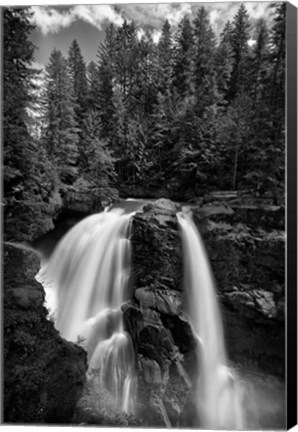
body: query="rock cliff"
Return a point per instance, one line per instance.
(44, 375)
(246, 247)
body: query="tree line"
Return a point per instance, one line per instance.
(189, 114)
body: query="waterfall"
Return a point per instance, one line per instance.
(218, 391)
(89, 274)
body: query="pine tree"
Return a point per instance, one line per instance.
(18, 57)
(165, 61)
(267, 152)
(259, 66)
(223, 62)
(239, 40)
(92, 86)
(126, 62)
(233, 129)
(120, 134)
(278, 48)
(204, 69)
(162, 138)
(99, 172)
(146, 83)
(61, 133)
(30, 198)
(77, 74)
(183, 51)
(104, 82)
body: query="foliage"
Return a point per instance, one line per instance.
(182, 115)
(30, 193)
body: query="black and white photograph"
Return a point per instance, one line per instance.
(144, 215)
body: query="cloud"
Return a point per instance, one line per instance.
(147, 16)
(153, 15)
(96, 15)
(52, 20)
(221, 12)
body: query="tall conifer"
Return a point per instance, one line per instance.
(61, 132)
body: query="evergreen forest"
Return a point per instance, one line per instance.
(195, 112)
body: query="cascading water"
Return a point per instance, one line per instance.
(89, 273)
(218, 391)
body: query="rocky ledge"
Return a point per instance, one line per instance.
(44, 375)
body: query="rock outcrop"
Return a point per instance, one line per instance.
(245, 242)
(163, 340)
(44, 375)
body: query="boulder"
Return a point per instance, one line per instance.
(44, 375)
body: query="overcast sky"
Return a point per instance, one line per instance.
(58, 26)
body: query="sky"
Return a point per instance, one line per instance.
(58, 26)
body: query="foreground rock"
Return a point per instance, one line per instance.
(44, 375)
(163, 340)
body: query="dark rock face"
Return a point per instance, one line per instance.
(44, 375)
(246, 248)
(163, 340)
(157, 247)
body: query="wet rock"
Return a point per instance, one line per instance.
(163, 339)
(181, 331)
(163, 204)
(168, 302)
(44, 375)
(145, 297)
(156, 247)
(150, 370)
(164, 300)
(258, 300)
(264, 301)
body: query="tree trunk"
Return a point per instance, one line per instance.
(235, 166)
